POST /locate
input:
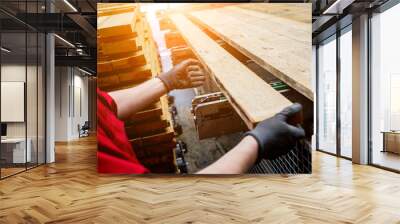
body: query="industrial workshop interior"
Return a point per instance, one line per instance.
(101, 122)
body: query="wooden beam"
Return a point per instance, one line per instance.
(251, 97)
(280, 45)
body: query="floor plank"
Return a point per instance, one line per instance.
(71, 191)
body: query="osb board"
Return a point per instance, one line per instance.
(281, 45)
(254, 99)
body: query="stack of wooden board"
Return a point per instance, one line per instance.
(128, 56)
(175, 42)
(278, 45)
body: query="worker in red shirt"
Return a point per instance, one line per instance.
(270, 139)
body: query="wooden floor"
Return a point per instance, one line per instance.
(387, 159)
(70, 191)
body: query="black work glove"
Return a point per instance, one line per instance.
(275, 136)
(186, 74)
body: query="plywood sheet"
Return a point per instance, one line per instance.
(254, 99)
(280, 45)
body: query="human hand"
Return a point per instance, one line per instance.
(187, 74)
(275, 136)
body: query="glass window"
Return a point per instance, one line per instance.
(22, 92)
(327, 95)
(385, 87)
(346, 93)
(14, 153)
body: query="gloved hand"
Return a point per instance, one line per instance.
(275, 136)
(186, 74)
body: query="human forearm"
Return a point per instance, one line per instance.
(236, 161)
(132, 100)
(271, 139)
(186, 74)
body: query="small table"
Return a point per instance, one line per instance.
(13, 150)
(391, 141)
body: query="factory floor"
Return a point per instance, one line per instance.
(201, 153)
(71, 191)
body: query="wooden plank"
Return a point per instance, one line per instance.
(114, 83)
(252, 98)
(126, 63)
(118, 47)
(165, 109)
(135, 73)
(116, 25)
(146, 129)
(155, 151)
(294, 11)
(114, 8)
(173, 39)
(145, 115)
(116, 38)
(107, 81)
(282, 46)
(153, 139)
(179, 54)
(166, 24)
(103, 66)
(135, 59)
(110, 6)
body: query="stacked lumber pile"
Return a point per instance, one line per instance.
(128, 56)
(278, 45)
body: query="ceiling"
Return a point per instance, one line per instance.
(72, 20)
(332, 15)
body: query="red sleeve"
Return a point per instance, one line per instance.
(115, 153)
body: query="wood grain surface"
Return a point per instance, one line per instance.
(254, 99)
(281, 45)
(71, 191)
(116, 25)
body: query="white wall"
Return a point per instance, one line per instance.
(62, 82)
(70, 84)
(14, 73)
(33, 127)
